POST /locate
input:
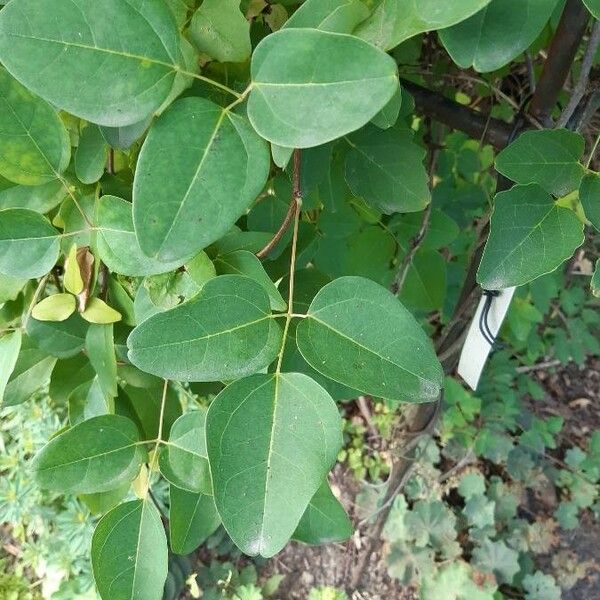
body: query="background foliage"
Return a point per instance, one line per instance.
(241, 244)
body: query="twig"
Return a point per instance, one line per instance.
(363, 406)
(297, 205)
(584, 76)
(416, 242)
(281, 231)
(539, 366)
(467, 459)
(570, 30)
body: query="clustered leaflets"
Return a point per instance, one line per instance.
(136, 191)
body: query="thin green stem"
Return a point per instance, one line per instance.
(297, 202)
(152, 465)
(216, 84)
(593, 152)
(34, 299)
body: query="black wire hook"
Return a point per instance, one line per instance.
(484, 326)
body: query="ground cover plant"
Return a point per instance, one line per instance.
(223, 223)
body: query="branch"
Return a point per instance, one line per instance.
(455, 115)
(565, 43)
(582, 82)
(296, 195)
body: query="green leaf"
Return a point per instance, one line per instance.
(58, 307)
(222, 166)
(61, 339)
(498, 558)
(589, 195)
(118, 246)
(594, 7)
(325, 521)
(339, 16)
(595, 282)
(97, 311)
(34, 144)
(219, 29)
(40, 198)
(263, 478)
(530, 236)
(541, 587)
(100, 347)
(386, 169)
(87, 401)
(96, 455)
(243, 262)
(184, 459)
(193, 342)
(357, 333)
(497, 34)
(130, 553)
(339, 80)
(10, 345)
(142, 405)
(389, 114)
(425, 284)
(104, 501)
(29, 245)
(72, 279)
(192, 519)
(549, 158)
(431, 523)
(68, 375)
(91, 155)
(31, 372)
(113, 72)
(394, 21)
(441, 231)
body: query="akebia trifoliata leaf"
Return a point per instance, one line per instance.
(112, 62)
(359, 334)
(118, 246)
(393, 21)
(385, 168)
(310, 87)
(199, 169)
(95, 456)
(549, 158)
(29, 245)
(265, 475)
(130, 553)
(530, 236)
(224, 332)
(340, 16)
(57, 307)
(497, 34)
(34, 143)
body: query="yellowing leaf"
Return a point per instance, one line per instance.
(58, 307)
(97, 311)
